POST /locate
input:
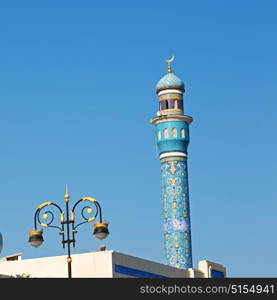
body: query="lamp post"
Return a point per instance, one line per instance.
(67, 221)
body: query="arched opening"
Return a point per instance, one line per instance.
(159, 135)
(174, 132)
(166, 133)
(182, 132)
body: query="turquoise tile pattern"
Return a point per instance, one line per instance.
(176, 212)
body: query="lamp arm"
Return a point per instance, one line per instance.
(37, 216)
(100, 211)
(89, 210)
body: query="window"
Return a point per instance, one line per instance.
(180, 104)
(171, 104)
(159, 134)
(182, 133)
(174, 132)
(166, 133)
(164, 105)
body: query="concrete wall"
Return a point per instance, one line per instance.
(130, 266)
(93, 264)
(102, 264)
(206, 268)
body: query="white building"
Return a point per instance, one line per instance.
(103, 264)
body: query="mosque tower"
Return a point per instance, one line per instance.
(172, 134)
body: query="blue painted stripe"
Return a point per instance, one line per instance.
(136, 273)
(217, 274)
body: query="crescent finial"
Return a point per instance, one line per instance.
(169, 61)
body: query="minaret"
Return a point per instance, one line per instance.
(172, 133)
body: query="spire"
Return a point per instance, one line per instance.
(169, 61)
(66, 196)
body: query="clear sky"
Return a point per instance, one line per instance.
(77, 92)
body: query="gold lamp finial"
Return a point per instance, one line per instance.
(169, 61)
(66, 196)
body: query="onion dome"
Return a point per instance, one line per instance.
(170, 81)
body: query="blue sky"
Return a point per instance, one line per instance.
(77, 91)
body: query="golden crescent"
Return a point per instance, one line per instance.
(171, 59)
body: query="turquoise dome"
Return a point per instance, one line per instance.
(170, 81)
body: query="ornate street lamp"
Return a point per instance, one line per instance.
(67, 221)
